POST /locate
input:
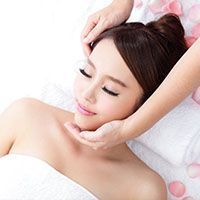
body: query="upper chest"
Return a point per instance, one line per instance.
(51, 143)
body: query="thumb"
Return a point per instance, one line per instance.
(73, 128)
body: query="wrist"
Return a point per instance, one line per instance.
(126, 5)
(129, 128)
(126, 131)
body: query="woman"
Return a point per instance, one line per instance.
(125, 67)
(186, 79)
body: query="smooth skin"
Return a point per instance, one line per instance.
(107, 176)
(33, 128)
(180, 82)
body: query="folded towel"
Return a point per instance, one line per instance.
(176, 137)
(170, 173)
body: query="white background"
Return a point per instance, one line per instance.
(39, 43)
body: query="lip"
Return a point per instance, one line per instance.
(83, 110)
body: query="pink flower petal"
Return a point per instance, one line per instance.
(177, 188)
(196, 30)
(190, 40)
(173, 7)
(194, 13)
(156, 6)
(137, 3)
(188, 198)
(193, 170)
(196, 96)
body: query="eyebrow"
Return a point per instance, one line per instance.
(110, 77)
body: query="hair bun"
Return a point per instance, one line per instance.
(169, 26)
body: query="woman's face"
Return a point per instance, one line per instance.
(104, 89)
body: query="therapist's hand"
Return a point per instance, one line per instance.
(114, 14)
(108, 135)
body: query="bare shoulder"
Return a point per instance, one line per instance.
(29, 104)
(37, 113)
(23, 105)
(151, 186)
(139, 182)
(25, 110)
(25, 115)
(154, 187)
(11, 121)
(31, 107)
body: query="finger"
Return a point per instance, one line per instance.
(99, 28)
(75, 132)
(93, 145)
(92, 136)
(100, 134)
(86, 49)
(88, 27)
(86, 46)
(72, 128)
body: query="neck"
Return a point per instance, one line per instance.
(116, 152)
(110, 153)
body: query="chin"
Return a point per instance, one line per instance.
(87, 123)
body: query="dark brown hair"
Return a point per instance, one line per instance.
(150, 51)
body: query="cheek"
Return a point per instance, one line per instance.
(117, 108)
(93, 122)
(108, 108)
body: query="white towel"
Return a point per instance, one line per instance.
(176, 137)
(24, 177)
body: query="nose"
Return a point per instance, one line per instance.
(89, 94)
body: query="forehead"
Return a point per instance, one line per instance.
(108, 60)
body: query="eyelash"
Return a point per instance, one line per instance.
(104, 88)
(109, 92)
(84, 73)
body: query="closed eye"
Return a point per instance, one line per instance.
(84, 73)
(110, 92)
